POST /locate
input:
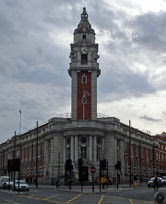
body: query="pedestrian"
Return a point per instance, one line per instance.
(57, 183)
(110, 181)
(155, 183)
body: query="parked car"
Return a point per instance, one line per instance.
(151, 182)
(21, 185)
(4, 182)
(3, 179)
(164, 180)
(7, 185)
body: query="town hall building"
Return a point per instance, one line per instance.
(84, 135)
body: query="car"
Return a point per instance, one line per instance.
(20, 185)
(164, 180)
(7, 185)
(4, 182)
(151, 182)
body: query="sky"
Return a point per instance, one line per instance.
(35, 37)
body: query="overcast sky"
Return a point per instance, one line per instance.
(35, 37)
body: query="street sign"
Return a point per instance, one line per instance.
(93, 170)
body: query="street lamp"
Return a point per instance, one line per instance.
(130, 148)
(36, 154)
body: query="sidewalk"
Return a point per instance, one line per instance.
(77, 189)
(88, 189)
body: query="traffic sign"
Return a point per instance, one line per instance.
(93, 170)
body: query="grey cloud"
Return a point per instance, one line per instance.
(149, 30)
(145, 117)
(164, 113)
(120, 84)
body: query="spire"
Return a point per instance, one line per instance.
(84, 15)
(84, 30)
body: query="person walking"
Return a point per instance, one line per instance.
(155, 183)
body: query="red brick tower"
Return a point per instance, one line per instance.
(84, 71)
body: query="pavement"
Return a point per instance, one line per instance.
(77, 188)
(88, 188)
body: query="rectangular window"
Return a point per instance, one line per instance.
(98, 153)
(49, 151)
(83, 152)
(84, 59)
(68, 154)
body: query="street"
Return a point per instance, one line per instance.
(140, 195)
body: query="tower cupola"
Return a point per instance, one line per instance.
(84, 32)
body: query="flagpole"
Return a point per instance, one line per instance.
(83, 111)
(20, 123)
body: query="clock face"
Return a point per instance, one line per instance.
(84, 50)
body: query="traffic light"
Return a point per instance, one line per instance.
(80, 164)
(69, 166)
(103, 164)
(118, 165)
(13, 164)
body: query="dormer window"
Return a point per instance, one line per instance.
(84, 37)
(84, 79)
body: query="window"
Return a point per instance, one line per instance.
(98, 153)
(84, 79)
(68, 154)
(98, 141)
(68, 141)
(84, 58)
(84, 37)
(84, 99)
(83, 140)
(83, 152)
(49, 151)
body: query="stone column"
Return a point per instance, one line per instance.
(72, 148)
(76, 148)
(45, 152)
(122, 156)
(94, 147)
(90, 148)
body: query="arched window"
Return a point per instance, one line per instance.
(84, 37)
(84, 79)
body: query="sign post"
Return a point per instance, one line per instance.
(93, 170)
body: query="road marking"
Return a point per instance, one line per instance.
(73, 198)
(101, 199)
(31, 196)
(12, 201)
(50, 197)
(131, 201)
(50, 201)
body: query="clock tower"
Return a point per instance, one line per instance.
(84, 71)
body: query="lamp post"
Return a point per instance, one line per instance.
(130, 149)
(117, 182)
(14, 154)
(37, 154)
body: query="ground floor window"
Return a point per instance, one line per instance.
(83, 152)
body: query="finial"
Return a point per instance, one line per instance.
(84, 14)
